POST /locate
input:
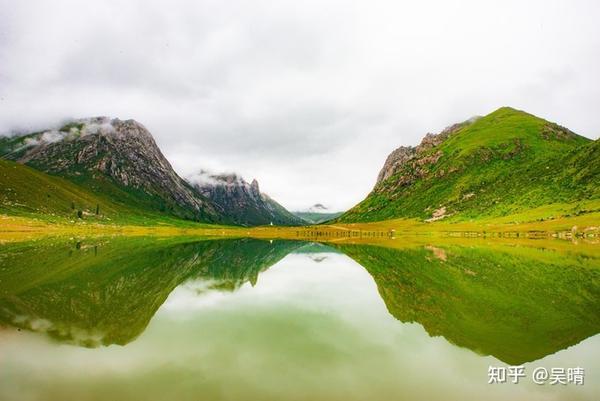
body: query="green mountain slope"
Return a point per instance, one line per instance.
(283, 216)
(505, 163)
(25, 190)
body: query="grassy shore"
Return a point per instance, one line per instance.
(16, 228)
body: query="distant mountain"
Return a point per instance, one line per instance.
(506, 163)
(317, 213)
(115, 159)
(240, 201)
(318, 208)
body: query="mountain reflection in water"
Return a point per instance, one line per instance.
(516, 303)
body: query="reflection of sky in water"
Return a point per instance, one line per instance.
(306, 330)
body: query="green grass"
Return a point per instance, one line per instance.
(505, 163)
(25, 190)
(504, 126)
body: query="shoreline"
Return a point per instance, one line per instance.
(586, 226)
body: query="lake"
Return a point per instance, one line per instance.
(244, 319)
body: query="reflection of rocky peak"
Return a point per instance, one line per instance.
(241, 201)
(107, 292)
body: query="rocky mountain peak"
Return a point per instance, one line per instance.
(404, 154)
(122, 152)
(255, 188)
(318, 208)
(204, 179)
(317, 213)
(398, 157)
(241, 200)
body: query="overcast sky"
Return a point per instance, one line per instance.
(308, 97)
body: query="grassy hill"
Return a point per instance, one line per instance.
(25, 190)
(505, 163)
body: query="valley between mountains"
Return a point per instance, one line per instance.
(507, 172)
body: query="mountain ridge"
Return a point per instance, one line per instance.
(506, 162)
(243, 202)
(317, 214)
(118, 158)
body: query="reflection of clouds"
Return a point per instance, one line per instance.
(69, 334)
(290, 281)
(192, 295)
(33, 323)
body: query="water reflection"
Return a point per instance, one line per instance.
(106, 292)
(517, 303)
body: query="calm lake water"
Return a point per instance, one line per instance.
(183, 319)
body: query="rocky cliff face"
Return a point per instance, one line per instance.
(405, 154)
(240, 200)
(115, 157)
(396, 159)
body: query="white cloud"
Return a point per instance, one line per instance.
(52, 136)
(308, 97)
(206, 178)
